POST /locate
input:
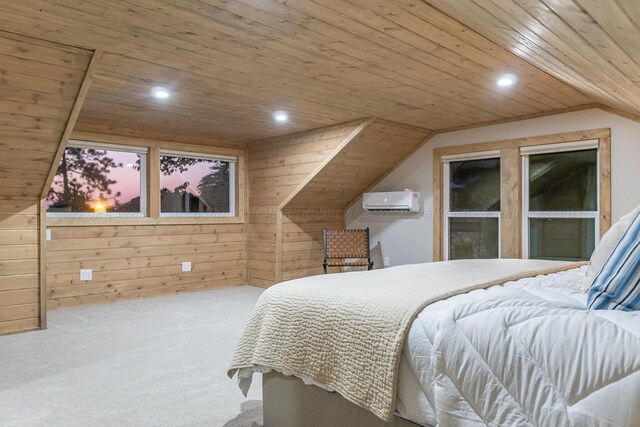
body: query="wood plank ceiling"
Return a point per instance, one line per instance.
(230, 64)
(593, 45)
(356, 165)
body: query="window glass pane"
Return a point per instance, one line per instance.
(570, 239)
(474, 186)
(473, 238)
(191, 185)
(564, 181)
(96, 180)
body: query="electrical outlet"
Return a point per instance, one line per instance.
(48, 234)
(186, 266)
(386, 261)
(86, 274)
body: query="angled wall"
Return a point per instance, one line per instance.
(376, 148)
(301, 183)
(276, 168)
(40, 83)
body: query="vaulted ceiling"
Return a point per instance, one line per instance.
(230, 64)
(594, 45)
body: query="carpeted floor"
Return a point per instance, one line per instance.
(151, 362)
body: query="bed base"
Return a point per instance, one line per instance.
(288, 402)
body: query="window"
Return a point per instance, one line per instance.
(560, 201)
(196, 185)
(472, 206)
(99, 180)
(553, 193)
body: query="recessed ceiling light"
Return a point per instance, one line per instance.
(507, 80)
(160, 92)
(280, 116)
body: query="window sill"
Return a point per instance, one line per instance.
(165, 220)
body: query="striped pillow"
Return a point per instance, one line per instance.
(617, 285)
(606, 246)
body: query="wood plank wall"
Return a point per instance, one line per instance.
(142, 260)
(141, 257)
(19, 285)
(276, 167)
(302, 241)
(38, 90)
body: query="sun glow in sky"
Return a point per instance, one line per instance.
(127, 178)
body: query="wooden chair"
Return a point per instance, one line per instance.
(341, 244)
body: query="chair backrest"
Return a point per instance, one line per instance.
(346, 243)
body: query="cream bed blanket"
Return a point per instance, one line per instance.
(346, 331)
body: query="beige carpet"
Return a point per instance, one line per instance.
(152, 362)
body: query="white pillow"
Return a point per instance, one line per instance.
(606, 246)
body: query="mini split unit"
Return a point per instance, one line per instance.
(392, 201)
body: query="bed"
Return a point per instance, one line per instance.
(513, 345)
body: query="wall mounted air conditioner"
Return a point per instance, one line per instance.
(392, 201)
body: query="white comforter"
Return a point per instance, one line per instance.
(526, 353)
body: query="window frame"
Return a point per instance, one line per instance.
(144, 182)
(510, 179)
(527, 215)
(153, 146)
(446, 161)
(232, 160)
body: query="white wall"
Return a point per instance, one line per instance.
(407, 239)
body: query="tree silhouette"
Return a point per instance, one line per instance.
(214, 187)
(171, 164)
(84, 171)
(80, 173)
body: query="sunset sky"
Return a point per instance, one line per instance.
(128, 178)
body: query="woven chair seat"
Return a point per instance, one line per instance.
(347, 263)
